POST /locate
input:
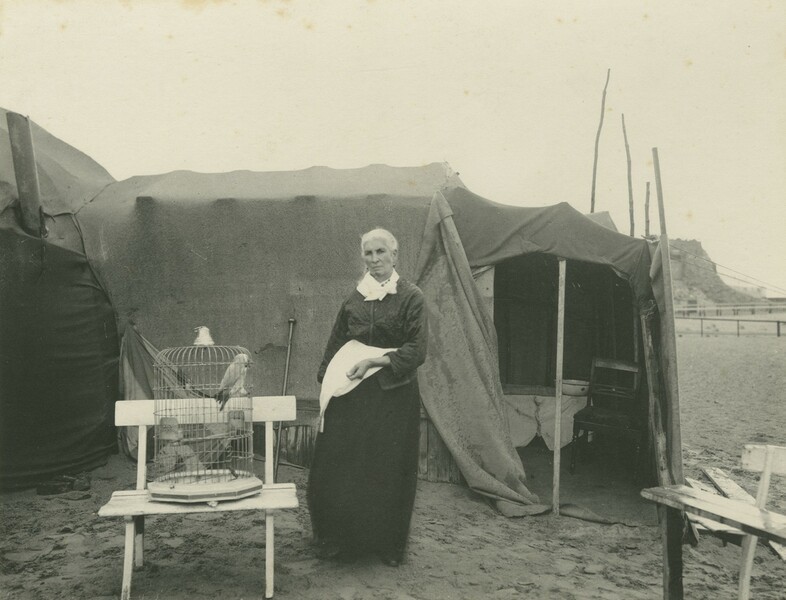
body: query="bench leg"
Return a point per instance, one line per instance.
(128, 559)
(746, 566)
(139, 542)
(269, 552)
(671, 522)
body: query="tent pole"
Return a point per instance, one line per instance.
(20, 135)
(647, 212)
(558, 383)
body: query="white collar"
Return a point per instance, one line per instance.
(371, 289)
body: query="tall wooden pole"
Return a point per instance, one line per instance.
(558, 383)
(630, 181)
(659, 190)
(647, 212)
(669, 337)
(597, 142)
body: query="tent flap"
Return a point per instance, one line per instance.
(460, 386)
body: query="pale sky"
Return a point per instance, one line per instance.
(508, 93)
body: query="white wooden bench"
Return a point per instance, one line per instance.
(752, 519)
(134, 505)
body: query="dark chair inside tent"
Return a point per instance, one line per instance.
(612, 405)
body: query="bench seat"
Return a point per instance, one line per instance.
(132, 503)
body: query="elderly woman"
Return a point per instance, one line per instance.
(361, 487)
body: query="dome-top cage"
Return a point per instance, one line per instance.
(204, 427)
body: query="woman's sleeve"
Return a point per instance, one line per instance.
(338, 337)
(412, 353)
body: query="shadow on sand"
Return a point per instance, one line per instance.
(603, 482)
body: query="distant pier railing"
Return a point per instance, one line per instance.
(719, 310)
(743, 326)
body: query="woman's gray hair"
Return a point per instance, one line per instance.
(379, 234)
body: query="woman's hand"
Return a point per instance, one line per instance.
(359, 370)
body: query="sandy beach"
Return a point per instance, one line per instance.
(56, 547)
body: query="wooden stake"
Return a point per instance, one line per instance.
(597, 142)
(647, 212)
(659, 189)
(558, 383)
(630, 182)
(669, 338)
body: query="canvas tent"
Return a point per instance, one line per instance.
(58, 343)
(244, 252)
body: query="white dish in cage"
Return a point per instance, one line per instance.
(198, 487)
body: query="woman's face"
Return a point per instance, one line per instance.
(379, 259)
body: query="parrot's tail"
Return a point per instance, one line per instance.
(222, 398)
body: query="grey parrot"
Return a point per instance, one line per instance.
(234, 380)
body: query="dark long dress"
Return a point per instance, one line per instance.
(362, 482)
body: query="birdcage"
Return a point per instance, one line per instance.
(203, 424)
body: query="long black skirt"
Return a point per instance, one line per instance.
(363, 477)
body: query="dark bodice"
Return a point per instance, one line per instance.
(396, 321)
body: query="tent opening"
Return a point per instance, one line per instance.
(599, 320)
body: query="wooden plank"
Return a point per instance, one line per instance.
(558, 384)
(749, 518)
(709, 524)
(265, 408)
(137, 502)
(754, 457)
(727, 486)
(700, 485)
(731, 489)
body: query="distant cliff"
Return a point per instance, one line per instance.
(695, 278)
